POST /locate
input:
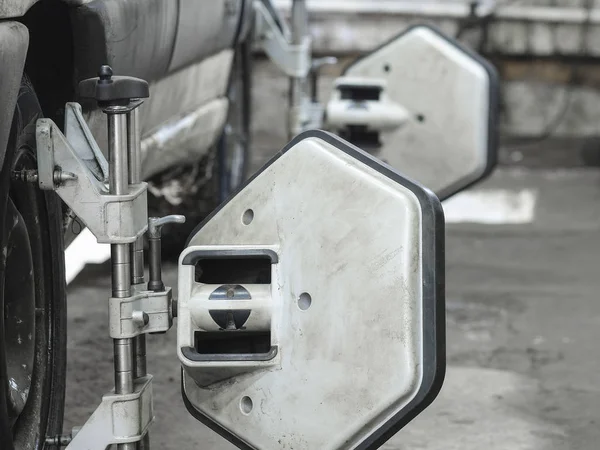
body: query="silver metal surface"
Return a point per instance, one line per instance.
(139, 352)
(121, 270)
(204, 28)
(293, 59)
(381, 114)
(123, 313)
(355, 253)
(139, 343)
(155, 224)
(83, 142)
(119, 151)
(14, 40)
(451, 98)
(119, 419)
(135, 176)
(137, 261)
(140, 317)
(134, 146)
(184, 116)
(123, 360)
(118, 154)
(258, 303)
(113, 219)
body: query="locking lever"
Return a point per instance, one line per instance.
(155, 225)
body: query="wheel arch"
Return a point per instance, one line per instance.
(40, 44)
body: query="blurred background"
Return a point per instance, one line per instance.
(546, 52)
(522, 247)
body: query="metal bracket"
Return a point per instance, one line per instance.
(293, 60)
(363, 103)
(144, 312)
(120, 418)
(114, 219)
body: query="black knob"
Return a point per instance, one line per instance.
(109, 90)
(105, 74)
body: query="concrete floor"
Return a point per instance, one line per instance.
(522, 312)
(523, 317)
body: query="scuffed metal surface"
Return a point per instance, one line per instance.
(184, 140)
(14, 39)
(204, 28)
(191, 101)
(135, 37)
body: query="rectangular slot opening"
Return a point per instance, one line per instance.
(360, 93)
(232, 342)
(254, 270)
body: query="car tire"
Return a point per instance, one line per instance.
(32, 293)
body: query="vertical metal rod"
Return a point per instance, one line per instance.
(120, 255)
(123, 366)
(139, 345)
(296, 94)
(135, 177)
(133, 146)
(137, 249)
(154, 264)
(117, 144)
(121, 270)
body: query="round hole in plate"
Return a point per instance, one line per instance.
(304, 301)
(387, 68)
(421, 118)
(246, 404)
(248, 217)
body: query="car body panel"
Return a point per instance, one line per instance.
(172, 132)
(14, 40)
(135, 38)
(184, 48)
(204, 28)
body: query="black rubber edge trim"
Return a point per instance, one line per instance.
(191, 354)
(493, 134)
(434, 338)
(193, 257)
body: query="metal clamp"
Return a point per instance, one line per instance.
(360, 109)
(143, 312)
(114, 219)
(155, 225)
(120, 418)
(293, 60)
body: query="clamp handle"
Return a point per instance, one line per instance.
(109, 90)
(315, 67)
(155, 225)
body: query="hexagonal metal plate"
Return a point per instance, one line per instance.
(451, 93)
(366, 354)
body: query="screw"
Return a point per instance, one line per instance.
(28, 176)
(140, 317)
(61, 177)
(62, 440)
